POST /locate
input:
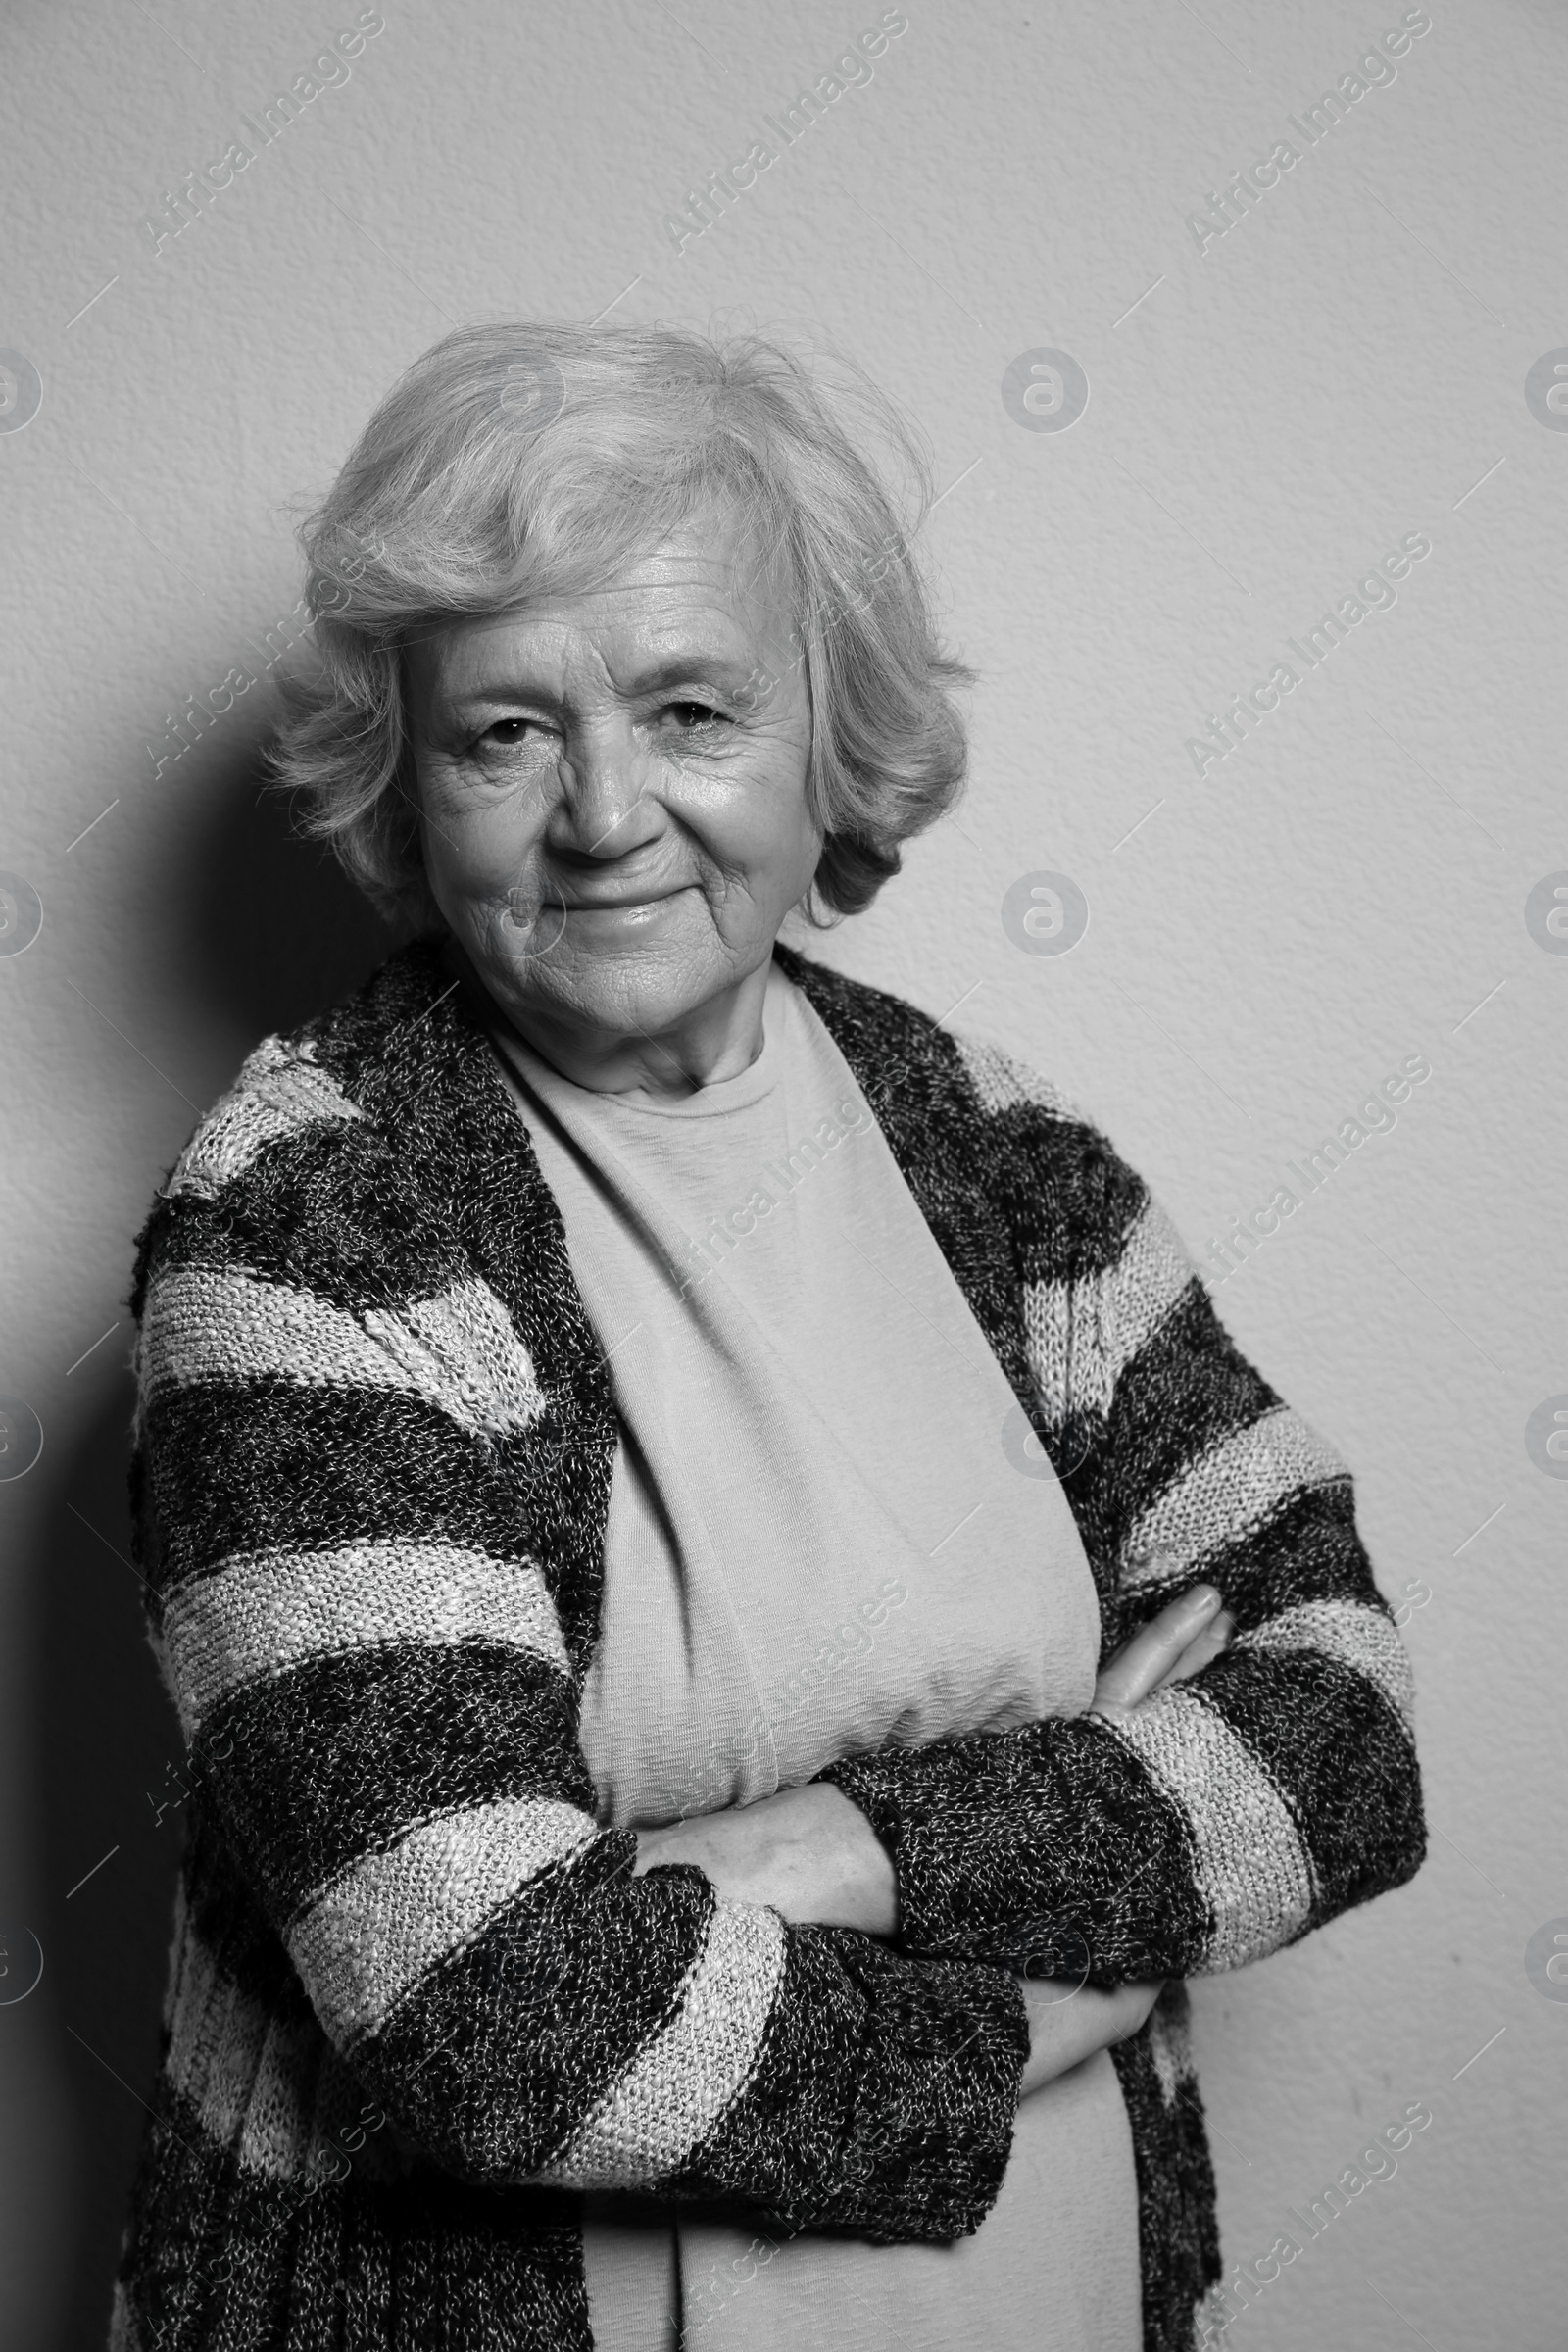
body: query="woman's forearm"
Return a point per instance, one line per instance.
(810, 1853)
(822, 1862)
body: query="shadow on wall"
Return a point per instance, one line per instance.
(273, 929)
(264, 930)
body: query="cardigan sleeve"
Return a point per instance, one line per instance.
(1231, 1813)
(367, 1655)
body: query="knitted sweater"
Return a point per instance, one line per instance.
(417, 2002)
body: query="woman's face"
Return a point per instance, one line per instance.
(613, 795)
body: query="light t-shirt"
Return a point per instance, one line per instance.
(817, 1543)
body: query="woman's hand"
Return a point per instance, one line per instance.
(809, 1852)
(1067, 2025)
(1185, 1634)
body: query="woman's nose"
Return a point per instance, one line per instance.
(606, 807)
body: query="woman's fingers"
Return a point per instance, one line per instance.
(1066, 2026)
(1214, 1637)
(1139, 2000)
(1148, 1659)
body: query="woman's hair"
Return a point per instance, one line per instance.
(517, 461)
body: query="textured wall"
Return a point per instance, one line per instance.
(1361, 361)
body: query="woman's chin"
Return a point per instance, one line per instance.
(623, 971)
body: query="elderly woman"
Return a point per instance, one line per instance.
(735, 1611)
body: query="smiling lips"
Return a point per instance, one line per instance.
(619, 901)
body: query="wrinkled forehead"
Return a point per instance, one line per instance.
(687, 615)
(718, 587)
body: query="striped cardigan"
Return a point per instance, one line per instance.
(418, 2003)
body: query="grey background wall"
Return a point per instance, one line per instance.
(1363, 360)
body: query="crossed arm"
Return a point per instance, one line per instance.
(812, 1854)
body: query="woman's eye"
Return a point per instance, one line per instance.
(506, 732)
(693, 716)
